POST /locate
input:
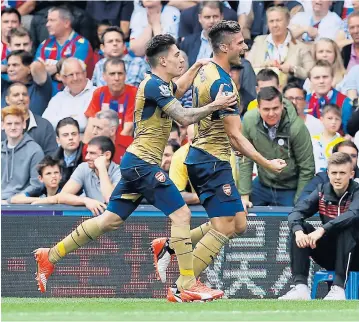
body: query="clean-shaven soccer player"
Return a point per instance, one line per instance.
(208, 158)
(156, 106)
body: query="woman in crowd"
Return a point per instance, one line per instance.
(279, 50)
(327, 49)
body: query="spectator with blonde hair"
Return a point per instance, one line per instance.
(19, 155)
(327, 49)
(279, 50)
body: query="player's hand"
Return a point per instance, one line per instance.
(224, 100)
(277, 165)
(245, 201)
(203, 61)
(100, 162)
(315, 236)
(301, 239)
(95, 206)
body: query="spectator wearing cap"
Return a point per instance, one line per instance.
(276, 131)
(74, 100)
(279, 50)
(113, 45)
(153, 18)
(63, 42)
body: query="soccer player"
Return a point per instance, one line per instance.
(208, 158)
(156, 105)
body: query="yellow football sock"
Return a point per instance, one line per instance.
(207, 249)
(181, 242)
(198, 232)
(83, 234)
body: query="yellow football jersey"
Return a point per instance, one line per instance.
(210, 135)
(152, 124)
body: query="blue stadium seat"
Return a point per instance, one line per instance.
(351, 290)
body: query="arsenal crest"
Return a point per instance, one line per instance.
(162, 178)
(227, 189)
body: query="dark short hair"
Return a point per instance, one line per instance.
(219, 32)
(8, 91)
(158, 45)
(9, 11)
(343, 144)
(104, 143)
(67, 121)
(174, 144)
(47, 161)
(296, 86)
(267, 74)
(18, 32)
(114, 61)
(210, 4)
(339, 158)
(26, 58)
(269, 94)
(112, 29)
(175, 127)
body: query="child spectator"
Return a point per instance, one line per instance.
(50, 175)
(324, 142)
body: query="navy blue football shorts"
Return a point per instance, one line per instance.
(142, 179)
(213, 182)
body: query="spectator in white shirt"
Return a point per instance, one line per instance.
(74, 100)
(321, 23)
(153, 19)
(294, 93)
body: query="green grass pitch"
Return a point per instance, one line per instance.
(81, 309)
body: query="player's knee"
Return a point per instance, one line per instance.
(239, 228)
(109, 221)
(181, 216)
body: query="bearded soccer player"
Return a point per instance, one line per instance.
(208, 158)
(156, 105)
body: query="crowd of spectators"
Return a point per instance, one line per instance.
(70, 73)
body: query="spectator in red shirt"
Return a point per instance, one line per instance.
(106, 123)
(116, 96)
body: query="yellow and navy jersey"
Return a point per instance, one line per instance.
(210, 135)
(152, 124)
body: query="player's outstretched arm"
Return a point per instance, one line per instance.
(187, 116)
(186, 80)
(232, 126)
